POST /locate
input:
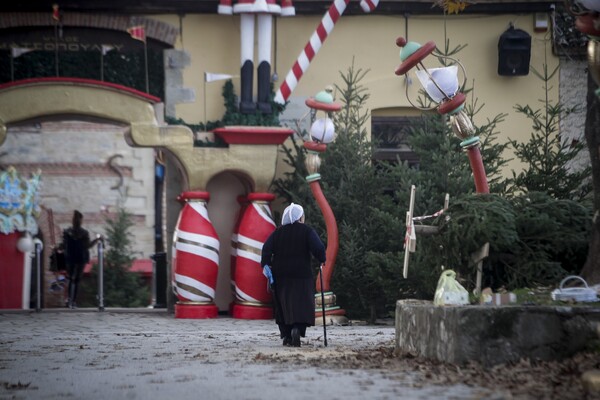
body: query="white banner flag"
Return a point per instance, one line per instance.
(210, 77)
(106, 48)
(19, 51)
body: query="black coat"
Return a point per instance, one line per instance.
(288, 251)
(76, 242)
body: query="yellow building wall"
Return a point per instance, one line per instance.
(368, 41)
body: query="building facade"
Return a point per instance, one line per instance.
(88, 164)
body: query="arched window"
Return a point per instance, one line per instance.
(391, 136)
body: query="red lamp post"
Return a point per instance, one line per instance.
(441, 85)
(322, 133)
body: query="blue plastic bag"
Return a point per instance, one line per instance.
(268, 274)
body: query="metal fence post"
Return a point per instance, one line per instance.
(38, 272)
(101, 275)
(159, 280)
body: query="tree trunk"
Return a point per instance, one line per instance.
(591, 269)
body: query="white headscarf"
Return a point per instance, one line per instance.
(291, 214)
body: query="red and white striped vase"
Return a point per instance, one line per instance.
(195, 259)
(252, 298)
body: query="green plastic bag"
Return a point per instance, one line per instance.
(449, 292)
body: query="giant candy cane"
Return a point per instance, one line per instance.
(314, 45)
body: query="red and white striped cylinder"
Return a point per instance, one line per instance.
(195, 259)
(243, 201)
(252, 298)
(313, 46)
(15, 273)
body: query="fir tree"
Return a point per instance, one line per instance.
(122, 288)
(548, 158)
(369, 219)
(370, 200)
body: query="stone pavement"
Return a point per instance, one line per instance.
(148, 354)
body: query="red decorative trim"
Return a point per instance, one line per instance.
(314, 146)
(261, 196)
(312, 103)
(240, 311)
(253, 134)
(415, 58)
(196, 311)
(194, 195)
(452, 104)
(80, 82)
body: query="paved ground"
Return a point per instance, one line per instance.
(85, 354)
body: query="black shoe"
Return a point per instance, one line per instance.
(295, 337)
(287, 341)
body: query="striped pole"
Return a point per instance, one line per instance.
(310, 50)
(314, 45)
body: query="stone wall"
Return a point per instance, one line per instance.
(493, 335)
(573, 92)
(88, 166)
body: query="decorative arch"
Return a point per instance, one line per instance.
(157, 30)
(35, 98)
(251, 152)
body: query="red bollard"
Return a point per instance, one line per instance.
(252, 299)
(195, 259)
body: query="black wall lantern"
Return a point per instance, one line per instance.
(514, 52)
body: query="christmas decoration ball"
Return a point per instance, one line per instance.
(322, 130)
(25, 244)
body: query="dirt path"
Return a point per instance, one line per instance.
(115, 355)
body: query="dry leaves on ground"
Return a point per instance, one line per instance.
(525, 379)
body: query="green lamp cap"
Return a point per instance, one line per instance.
(408, 50)
(324, 97)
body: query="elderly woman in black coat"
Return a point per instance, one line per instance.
(288, 252)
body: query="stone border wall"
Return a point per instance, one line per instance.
(493, 335)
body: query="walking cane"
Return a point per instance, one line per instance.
(323, 305)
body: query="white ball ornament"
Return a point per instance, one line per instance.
(25, 244)
(322, 130)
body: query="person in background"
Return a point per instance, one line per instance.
(75, 245)
(287, 251)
